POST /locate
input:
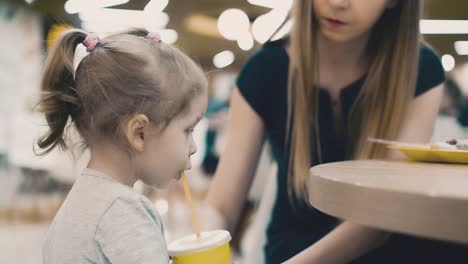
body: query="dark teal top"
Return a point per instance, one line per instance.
(263, 83)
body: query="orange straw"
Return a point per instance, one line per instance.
(188, 197)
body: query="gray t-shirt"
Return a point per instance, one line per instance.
(104, 221)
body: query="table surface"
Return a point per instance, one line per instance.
(423, 199)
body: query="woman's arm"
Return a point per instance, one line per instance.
(237, 166)
(349, 241)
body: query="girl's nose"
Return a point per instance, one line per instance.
(339, 3)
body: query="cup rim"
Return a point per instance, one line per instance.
(223, 237)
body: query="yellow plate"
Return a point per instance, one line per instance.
(432, 155)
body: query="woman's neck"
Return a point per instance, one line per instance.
(338, 55)
(340, 63)
(113, 162)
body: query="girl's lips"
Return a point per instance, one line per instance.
(334, 22)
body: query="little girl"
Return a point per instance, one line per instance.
(135, 101)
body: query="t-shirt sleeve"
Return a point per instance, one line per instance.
(430, 72)
(253, 82)
(130, 232)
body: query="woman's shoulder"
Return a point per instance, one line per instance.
(264, 73)
(430, 71)
(429, 57)
(269, 55)
(279, 44)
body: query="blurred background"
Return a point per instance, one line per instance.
(220, 35)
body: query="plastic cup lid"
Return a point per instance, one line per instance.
(192, 244)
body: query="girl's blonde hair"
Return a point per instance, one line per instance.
(125, 74)
(389, 86)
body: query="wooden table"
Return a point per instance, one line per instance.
(423, 199)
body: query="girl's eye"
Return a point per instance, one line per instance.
(189, 131)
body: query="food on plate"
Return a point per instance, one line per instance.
(453, 144)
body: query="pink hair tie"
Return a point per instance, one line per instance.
(90, 42)
(153, 37)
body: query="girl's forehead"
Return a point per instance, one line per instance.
(196, 109)
(199, 103)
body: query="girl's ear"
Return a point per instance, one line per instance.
(135, 131)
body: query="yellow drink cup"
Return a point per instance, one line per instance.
(211, 248)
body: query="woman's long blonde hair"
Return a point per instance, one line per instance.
(393, 55)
